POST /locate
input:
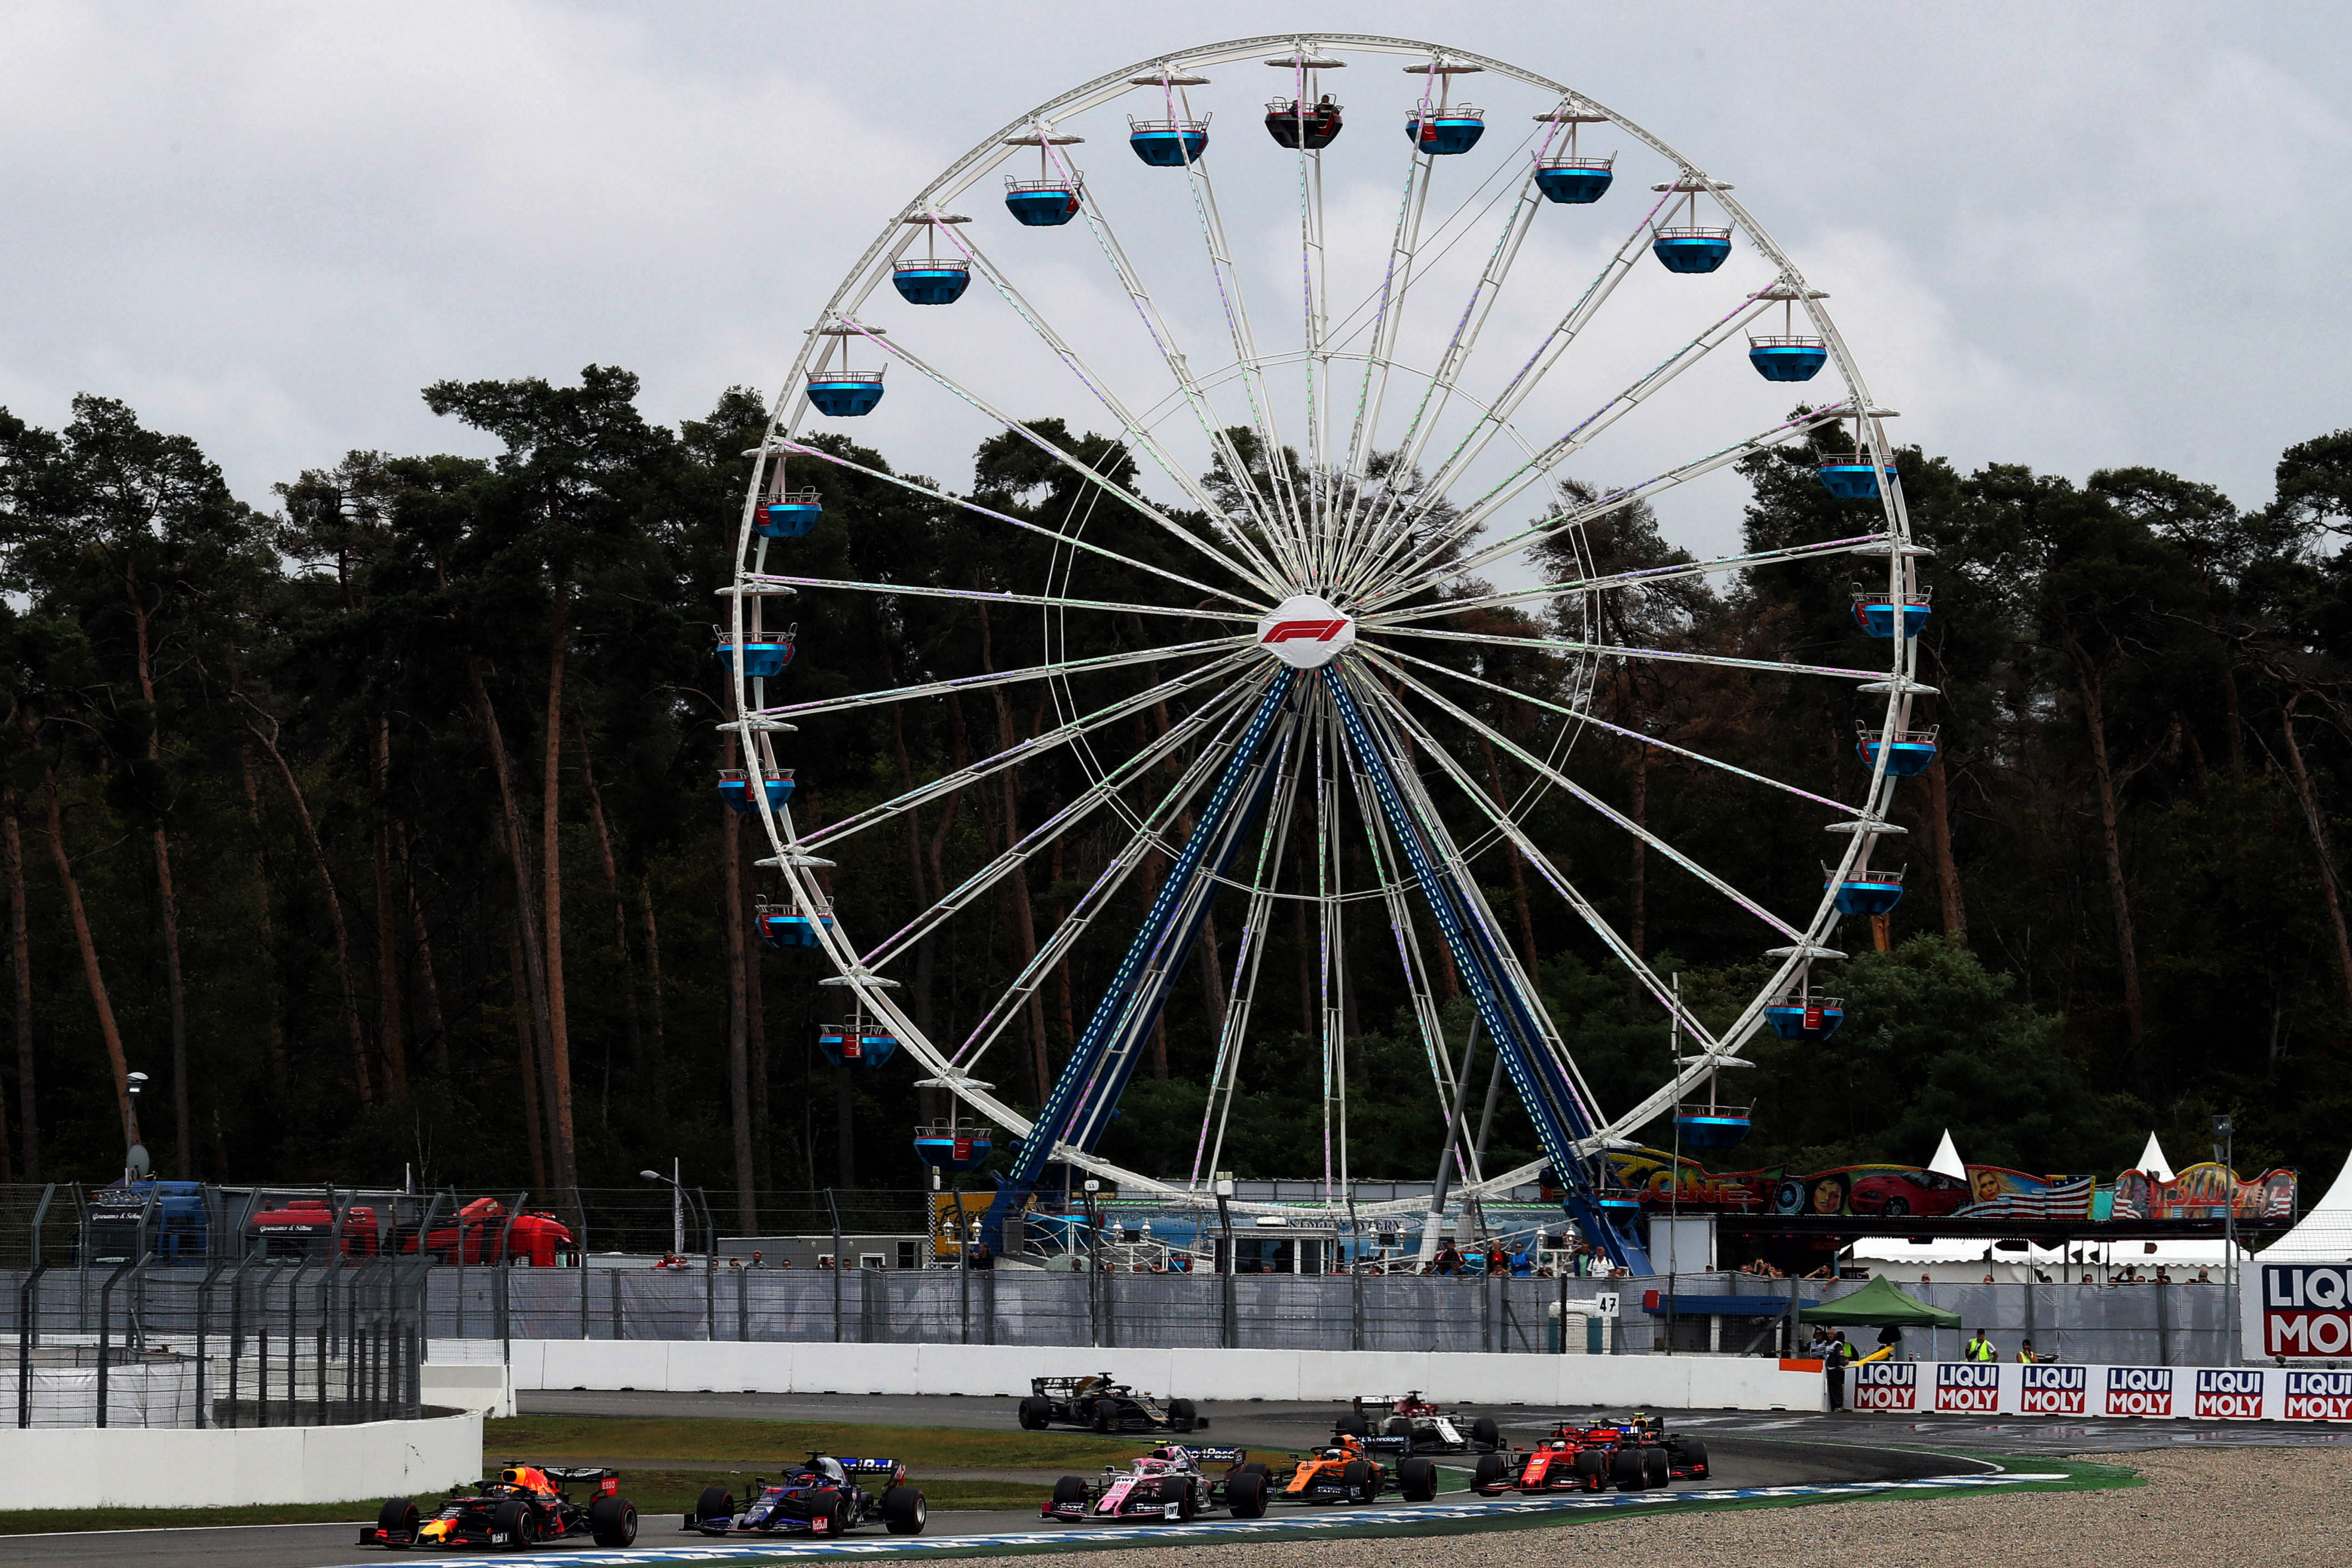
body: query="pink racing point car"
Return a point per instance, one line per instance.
(1168, 1483)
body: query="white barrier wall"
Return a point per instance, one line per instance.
(1673, 1382)
(485, 1386)
(94, 1467)
(2193, 1392)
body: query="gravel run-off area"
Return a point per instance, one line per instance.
(2264, 1508)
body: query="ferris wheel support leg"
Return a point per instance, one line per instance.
(1507, 1014)
(1099, 1063)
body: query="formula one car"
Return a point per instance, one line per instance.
(1406, 1425)
(824, 1495)
(1344, 1472)
(1631, 1454)
(525, 1507)
(1103, 1405)
(1166, 1483)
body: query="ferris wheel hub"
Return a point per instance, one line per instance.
(1304, 632)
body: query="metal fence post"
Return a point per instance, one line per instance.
(28, 1306)
(614, 1277)
(105, 1329)
(834, 1209)
(743, 1305)
(2164, 1322)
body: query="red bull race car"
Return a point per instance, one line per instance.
(826, 1496)
(1168, 1483)
(1406, 1425)
(527, 1506)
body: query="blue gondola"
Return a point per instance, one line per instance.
(1869, 893)
(788, 925)
(1043, 204)
(955, 1149)
(1908, 757)
(1805, 1017)
(1446, 132)
(1314, 128)
(1574, 182)
(1854, 476)
(1709, 1129)
(1875, 613)
(930, 282)
(1788, 358)
(734, 788)
(1691, 249)
(1168, 144)
(763, 657)
(844, 394)
(856, 1045)
(789, 515)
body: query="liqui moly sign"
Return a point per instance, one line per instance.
(2306, 1310)
(2319, 1397)
(2229, 1394)
(1968, 1386)
(2055, 1391)
(1884, 1385)
(2139, 1391)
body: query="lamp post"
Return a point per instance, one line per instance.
(2224, 1136)
(677, 1186)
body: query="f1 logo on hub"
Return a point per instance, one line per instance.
(2139, 1390)
(2055, 1391)
(1304, 632)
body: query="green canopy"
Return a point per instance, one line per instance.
(1876, 1306)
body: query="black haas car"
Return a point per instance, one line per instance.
(527, 1506)
(826, 1496)
(1406, 1423)
(1101, 1406)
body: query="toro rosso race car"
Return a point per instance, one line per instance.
(525, 1507)
(1406, 1425)
(824, 1496)
(1166, 1483)
(1630, 1456)
(1102, 1405)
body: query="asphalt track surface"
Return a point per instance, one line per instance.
(1749, 1453)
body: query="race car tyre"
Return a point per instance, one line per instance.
(1398, 1427)
(1102, 1415)
(1357, 1478)
(1417, 1479)
(716, 1503)
(1654, 1467)
(397, 1519)
(1487, 1480)
(1694, 1456)
(905, 1511)
(1245, 1495)
(1485, 1434)
(1034, 1414)
(1187, 1504)
(1626, 1471)
(517, 1524)
(1591, 1470)
(613, 1520)
(1182, 1416)
(1069, 1489)
(1353, 1425)
(1259, 1468)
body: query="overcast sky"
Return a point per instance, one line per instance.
(2074, 237)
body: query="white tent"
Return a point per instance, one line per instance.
(1947, 1162)
(2152, 1161)
(2323, 1235)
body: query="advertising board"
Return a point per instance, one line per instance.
(1883, 1385)
(1969, 1387)
(2137, 1391)
(2299, 1310)
(2053, 1391)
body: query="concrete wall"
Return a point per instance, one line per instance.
(470, 1384)
(1679, 1383)
(150, 1467)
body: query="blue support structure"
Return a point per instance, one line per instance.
(1078, 1108)
(1551, 1101)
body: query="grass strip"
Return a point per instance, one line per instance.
(622, 1441)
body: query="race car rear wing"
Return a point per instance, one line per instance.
(573, 1473)
(865, 1467)
(1214, 1456)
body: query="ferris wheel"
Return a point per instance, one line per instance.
(1380, 390)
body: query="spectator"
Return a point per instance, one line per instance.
(2025, 1352)
(1833, 1358)
(1980, 1348)
(978, 1256)
(756, 1260)
(2203, 1277)
(1823, 1272)
(784, 1263)
(825, 1262)
(1923, 1279)
(736, 1264)
(2163, 1275)
(1448, 1260)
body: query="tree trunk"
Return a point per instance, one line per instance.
(511, 842)
(1637, 924)
(845, 1122)
(563, 1147)
(29, 1103)
(2317, 822)
(526, 1022)
(2088, 682)
(264, 926)
(183, 1142)
(738, 1057)
(620, 908)
(1948, 866)
(390, 1036)
(436, 1030)
(654, 997)
(334, 916)
(99, 998)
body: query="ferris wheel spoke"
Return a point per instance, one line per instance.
(756, 584)
(1581, 717)
(1646, 577)
(1426, 570)
(1072, 461)
(1529, 759)
(1001, 678)
(1076, 811)
(1395, 280)
(1021, 751)
(964, 504)
(1619, 650)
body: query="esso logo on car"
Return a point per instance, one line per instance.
(2055, 1391)
(2229, 1394)
(2319, 1397)
(2139, 1390)
(1967, 1387)
(1304, 632)
(1884, 1385)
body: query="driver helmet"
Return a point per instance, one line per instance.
(830, 1468)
